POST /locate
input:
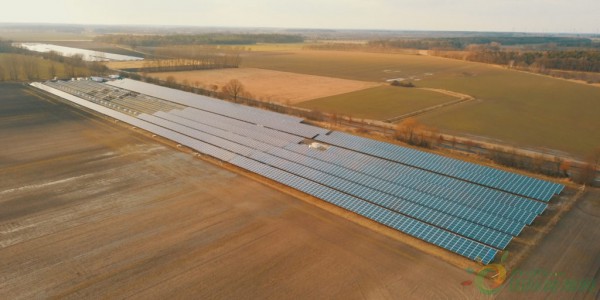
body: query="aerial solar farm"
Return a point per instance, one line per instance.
(300, 150)
(468, 210)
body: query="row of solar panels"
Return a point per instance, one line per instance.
(405, 195)
(502, 203)
(99, 93)
(453, 242)
(447, 209)
(84, 87)
(442, 238)
(514, 216)
(251, 148)
(511, 182)
(261, 117)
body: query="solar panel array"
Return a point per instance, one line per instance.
(511, 182)
(471, 210)
(252, 115)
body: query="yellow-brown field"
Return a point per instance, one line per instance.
(274, 86)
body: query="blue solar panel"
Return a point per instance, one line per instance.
(265, 118)
(514, 183)
(463, 227)
(458, 191)
(239, 127)
(441, 204)
(451, 223)
(455, 243)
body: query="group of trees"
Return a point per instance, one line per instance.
(461, 43)
(6, 46)
(234, 90)
(21, 64)
(199, 39)
(493, 52)
(182, 64)
(573, 60)
(17, 67)
(407, 84)
(589, 171)
(412, 132)
(185, 58)
(76, 62)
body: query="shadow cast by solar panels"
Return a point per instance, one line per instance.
(471, 210)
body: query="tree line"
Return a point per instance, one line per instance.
(461, 43)
(186, 58)
(198, 39)
(20, 64)
(572, 60)
(581, 60)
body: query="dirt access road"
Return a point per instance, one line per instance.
(89, 209)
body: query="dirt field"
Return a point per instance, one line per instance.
(275, 86)
(570, 255)
(91, 210)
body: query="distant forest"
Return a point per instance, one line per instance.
(6, 46)
(461, 43)
(570, 60)
(198, 39)
(532, 53)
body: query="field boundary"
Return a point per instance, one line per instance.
(462, 98)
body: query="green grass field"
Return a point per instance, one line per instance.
(525, 109)
(353, 65)
(516, 107)
(378, 103)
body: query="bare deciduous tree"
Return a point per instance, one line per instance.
(233, 89)
(407, 129)
(30, 68)
(171, 81)
(52, 70)
(13, 67)
(564, 168)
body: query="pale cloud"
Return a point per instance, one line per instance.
(478, 15)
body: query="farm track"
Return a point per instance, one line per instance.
(461, 98)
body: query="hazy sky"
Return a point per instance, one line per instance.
(476, 15)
